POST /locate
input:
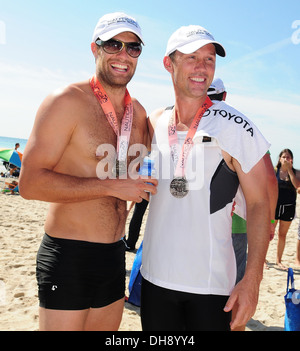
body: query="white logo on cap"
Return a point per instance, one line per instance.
(201, 32)
(123, 19)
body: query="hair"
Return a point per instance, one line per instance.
(172, 56)
(281, 153)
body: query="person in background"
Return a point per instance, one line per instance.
(135, 224)
(288, 179)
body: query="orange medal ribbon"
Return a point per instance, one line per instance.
(109, 111)
(188, 143)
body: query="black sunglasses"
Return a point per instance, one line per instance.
(114, 46)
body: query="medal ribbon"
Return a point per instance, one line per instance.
(188, 143)
(110, 114)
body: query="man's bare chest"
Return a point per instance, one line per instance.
(96, 134)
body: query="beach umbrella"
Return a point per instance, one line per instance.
(11, 156)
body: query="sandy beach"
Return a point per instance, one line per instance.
(21, 231)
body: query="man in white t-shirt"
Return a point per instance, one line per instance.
(202, 152)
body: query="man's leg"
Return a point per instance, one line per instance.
(282, 233)
(160, 309)
(107, 318)
(57, 320)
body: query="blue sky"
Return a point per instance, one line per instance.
(46, 44)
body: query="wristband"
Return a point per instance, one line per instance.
(272, 221)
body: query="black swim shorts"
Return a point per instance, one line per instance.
(77, 275)
(285, 212)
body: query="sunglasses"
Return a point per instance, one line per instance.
(113, 46)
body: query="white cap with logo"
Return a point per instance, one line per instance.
(216, 87)
(115, 23)
(191, 38)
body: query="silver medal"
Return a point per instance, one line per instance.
(119, 168)
(179, 187)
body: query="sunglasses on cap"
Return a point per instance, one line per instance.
(114, 46)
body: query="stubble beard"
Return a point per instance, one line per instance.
(112, 81)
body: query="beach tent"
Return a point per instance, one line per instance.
(12, 156)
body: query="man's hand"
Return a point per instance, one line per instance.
(133, 190)
(244, 298)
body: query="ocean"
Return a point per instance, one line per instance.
(9, 143)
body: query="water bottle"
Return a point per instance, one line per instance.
(147, 168)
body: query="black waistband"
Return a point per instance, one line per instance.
(72, 242)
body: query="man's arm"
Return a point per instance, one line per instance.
(41, 178)
(272, 186)
(245, 294)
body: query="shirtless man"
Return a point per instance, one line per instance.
(81, 261)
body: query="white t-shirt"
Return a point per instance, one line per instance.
(187, 242)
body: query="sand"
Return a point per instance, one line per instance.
(21, 231)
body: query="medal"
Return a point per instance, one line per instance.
(119, 168)
(179, 187)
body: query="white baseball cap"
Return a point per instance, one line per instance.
(216, 87)
(115, 23)
(191, 38)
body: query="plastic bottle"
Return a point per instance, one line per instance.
(147, 168)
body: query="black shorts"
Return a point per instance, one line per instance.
(285, 212)
(169, 310)
(77, 275)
